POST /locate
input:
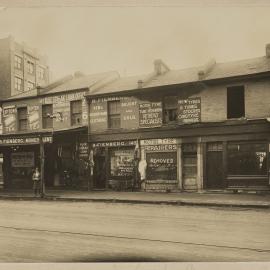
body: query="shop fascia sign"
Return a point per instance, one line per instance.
(25, 140)
(158, 141)
(114, 144)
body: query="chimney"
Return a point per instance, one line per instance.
(140, 84)
(267, 50)
(206, 68)
(160, 67)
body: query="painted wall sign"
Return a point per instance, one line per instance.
(158, 148)
(98, 116)
(83, 150)
(129, 113)
(9, 118)
(33, 117)
(22, 160)
(25, 140)
(150, 114)
(158, 141)
(114, 144)
(189, 110)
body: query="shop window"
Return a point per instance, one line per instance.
(170, 109)
(18, 84)
(18, 62)
(76, 112)
(22, 118)
(247, 159)
(161, 166)
(121, 162)
(30, 67)
(47, 116)
(114, 114)
(235, 102)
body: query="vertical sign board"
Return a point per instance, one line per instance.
(84, 112)
(9, 119)
(129, 113)
(189, 110)
(83, 150)
(1, 122)
(150, 114)
(33, 117)
(98, 115)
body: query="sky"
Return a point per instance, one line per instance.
(129, 38)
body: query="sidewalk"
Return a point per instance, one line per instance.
(181, 198)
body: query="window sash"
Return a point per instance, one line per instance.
(114, 121)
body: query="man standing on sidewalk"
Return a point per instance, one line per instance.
(36, 182)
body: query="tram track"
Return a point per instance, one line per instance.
(122, 237)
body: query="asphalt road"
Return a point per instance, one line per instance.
(39, 231)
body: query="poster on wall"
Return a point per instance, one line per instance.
(9, 119)
(122, 163)
(33, 117)
(189, 110)
(22, 160)
(150, 114)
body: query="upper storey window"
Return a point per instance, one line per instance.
(170, 109)
(235, 102)
(18, 62)
(30, 67)
(114, 120)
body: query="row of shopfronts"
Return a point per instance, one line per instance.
(175, 163)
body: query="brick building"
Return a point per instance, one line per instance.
(22, 68)
(199, 128)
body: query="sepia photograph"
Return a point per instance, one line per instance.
(135, 134)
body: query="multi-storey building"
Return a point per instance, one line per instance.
(22, 68)
(191, 129)
(47, 127)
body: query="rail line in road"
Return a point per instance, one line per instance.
(134, 238)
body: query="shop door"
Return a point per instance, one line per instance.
(214, 166)
(99, 173)
(190, 171)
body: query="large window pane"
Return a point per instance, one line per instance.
(122, 162)
(247, 159)
(161, 166)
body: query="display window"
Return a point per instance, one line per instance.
(161, 165)
(122, 163)
(247, 158)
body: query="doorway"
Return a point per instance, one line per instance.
(99, 172)
(189, 168)
(214, 166)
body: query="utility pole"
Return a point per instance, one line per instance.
(41, 151)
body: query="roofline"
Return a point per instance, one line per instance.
(43, 95)
(139, 90)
